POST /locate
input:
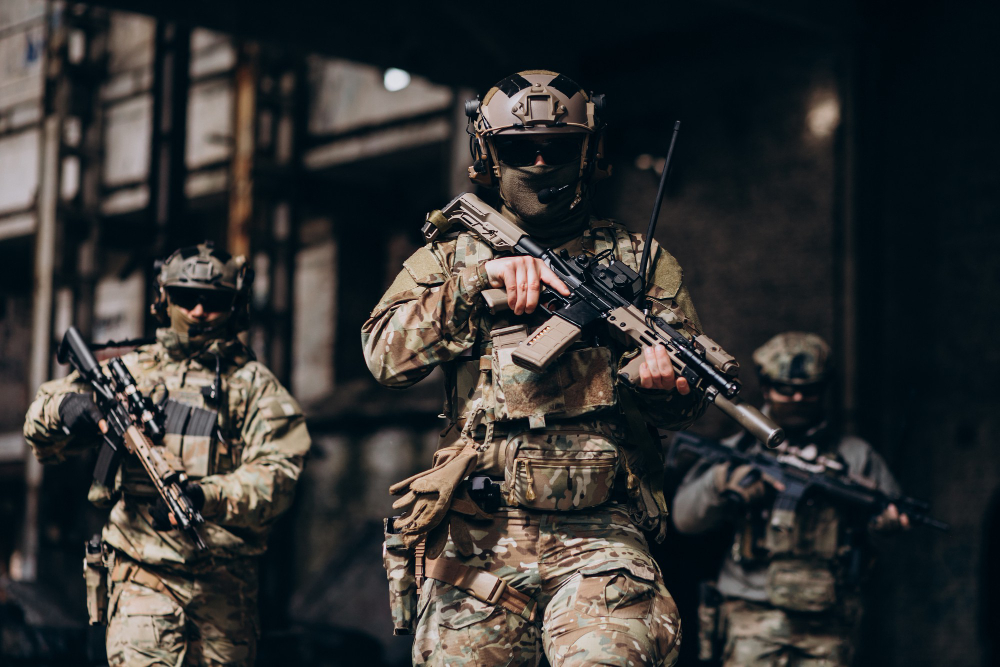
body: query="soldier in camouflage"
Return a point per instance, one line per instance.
(789, 586)
(561, 567)
(239, 436)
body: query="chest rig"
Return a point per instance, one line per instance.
(804, 550)
(199, 434)
(548, 435)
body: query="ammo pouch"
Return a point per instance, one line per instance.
(399, 565)
(189, 445)
(578, 381)
(559, 470)
(95, 575)
(801, 585)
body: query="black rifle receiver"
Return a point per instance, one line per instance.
(801, 478)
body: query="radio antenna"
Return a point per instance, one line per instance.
(656, 214)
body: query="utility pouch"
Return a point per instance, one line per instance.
(578, 382)
(95, 574)
(801, 585)
(709, 601)
(399, 568)
(559, 470)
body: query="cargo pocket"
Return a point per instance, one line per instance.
(144, 622)
(560, 470)
(452, 628)
(617, 589)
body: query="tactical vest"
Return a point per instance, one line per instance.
(553, 437)
(802, 550)
(199, 436)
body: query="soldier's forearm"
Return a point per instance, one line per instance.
(410, 339)
(698, 505)
(254, 494)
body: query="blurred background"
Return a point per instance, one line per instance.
(836, 172)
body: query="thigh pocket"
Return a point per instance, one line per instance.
(144, 620)
(617, 589)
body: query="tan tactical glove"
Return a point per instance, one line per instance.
(428, 495)
(745, 481)
(463, 511)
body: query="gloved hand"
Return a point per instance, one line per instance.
(428, 495)
(463, 510)
(744, 481)
(890, 521)
(161, 513)
(79, 414)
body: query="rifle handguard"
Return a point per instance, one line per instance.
(753, 420)
(547, 342)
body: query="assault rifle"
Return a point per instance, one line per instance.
(803, 476)
(133, 423)
(605, 292)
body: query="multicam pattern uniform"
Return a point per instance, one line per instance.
(169, 604)
(786, 597)
(601, 598)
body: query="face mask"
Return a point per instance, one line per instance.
(191, 333)
(797, 415)
(519, 188)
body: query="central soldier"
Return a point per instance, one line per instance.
(526, 534)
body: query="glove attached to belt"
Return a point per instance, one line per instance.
(463, 514)
(428, 496)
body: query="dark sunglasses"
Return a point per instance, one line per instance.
(813, 390)
(522, 151)
(211, 301)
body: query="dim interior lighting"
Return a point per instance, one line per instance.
(395, 79)
(824, 116)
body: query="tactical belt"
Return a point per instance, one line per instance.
(132, 571)
(480, 584)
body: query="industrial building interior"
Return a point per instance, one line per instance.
(836, 172)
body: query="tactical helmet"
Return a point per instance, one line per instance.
(793, 357)
(535, 102)
(204, 267)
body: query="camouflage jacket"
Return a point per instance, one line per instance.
(247, 467)
(817, 533)
(432, 315)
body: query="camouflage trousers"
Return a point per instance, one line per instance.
(601, 598)
(167, 618)
(759, 635)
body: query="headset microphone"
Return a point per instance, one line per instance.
(548, 194)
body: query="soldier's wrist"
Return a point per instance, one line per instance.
(213, 499)
(474, 279)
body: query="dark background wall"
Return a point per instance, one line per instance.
(836, 172)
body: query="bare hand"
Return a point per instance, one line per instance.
(523, 277)
(891, 520)
(657, 372)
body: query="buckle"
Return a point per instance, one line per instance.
(498, 592)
